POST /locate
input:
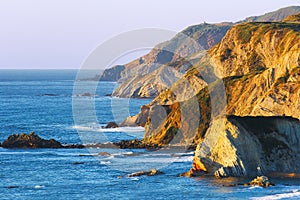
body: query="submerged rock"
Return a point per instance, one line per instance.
(29, 141)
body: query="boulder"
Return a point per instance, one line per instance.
(111, 125)
(261, 181)
(29, 141)
(151, 172)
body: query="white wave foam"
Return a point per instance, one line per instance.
(292, 194)
(185, 159)
(134, 178)
(108, 130)
(105, 162)
(39, 186)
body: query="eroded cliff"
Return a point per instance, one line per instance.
(249, 146)
(255, 75)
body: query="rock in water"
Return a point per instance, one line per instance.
(111, 125)
(261, 181)
(152, 172)
(29, 141)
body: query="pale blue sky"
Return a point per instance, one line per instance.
(62, 33)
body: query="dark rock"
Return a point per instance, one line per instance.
(136, 144)
(73, 146)
(112, 74)
(87, 95)
(151, 172)
(77, 163)
(111, 125)
(49, 95)
(29, 141)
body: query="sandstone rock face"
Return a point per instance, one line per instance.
(149, 85)
(191, 40)
(249, 146)
(293, 18)
(29, 141)
(258, 76)
(138, 120)
(252, 47)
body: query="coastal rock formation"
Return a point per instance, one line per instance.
(152, 172)
(138, 120)
(167, 62)
(139, 78)
(149, 85)
(257, 73)
(261, 181)
(111, 125)
(29, 141)
(112, 74)
(249, 146)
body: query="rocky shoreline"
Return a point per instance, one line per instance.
(33, 141)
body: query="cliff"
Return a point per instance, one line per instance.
(112, 74)
(249, 146)
(162, 67)
(139, 78)
(257, 73)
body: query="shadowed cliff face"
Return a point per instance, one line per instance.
(249, 146)
(259, 76)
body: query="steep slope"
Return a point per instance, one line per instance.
(258, 66)
(182, 46)
(192, 40)
(275, 16)
(293, 18)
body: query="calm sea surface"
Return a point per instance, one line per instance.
(43, 101)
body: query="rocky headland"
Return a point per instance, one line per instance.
(33, 141)
(235, 97)
(252, 77)
(158, 70)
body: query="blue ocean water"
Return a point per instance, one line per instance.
(43, 101)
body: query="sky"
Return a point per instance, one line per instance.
(60, 34)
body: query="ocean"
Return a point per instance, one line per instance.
(44, 101)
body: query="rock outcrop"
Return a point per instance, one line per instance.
(249, 146)
(111, 125)
(167, 62)
(254, 72)
(29, 141)
(152, 172)
(293, 18)
(261, 181)
(112, 74)
(143, 77)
